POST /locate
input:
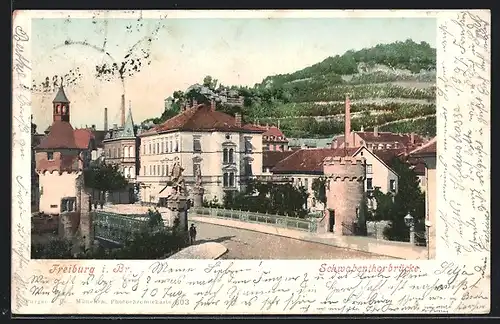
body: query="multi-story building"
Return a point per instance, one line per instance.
(273, 139)
(120, 148)
(379, 140)
(427, 153)
(206, 142)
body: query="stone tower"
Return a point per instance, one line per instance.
(345, 193)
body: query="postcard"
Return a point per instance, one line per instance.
(251, 162)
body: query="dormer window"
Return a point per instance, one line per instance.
(50, 156)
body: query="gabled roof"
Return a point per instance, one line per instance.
(309, 160)
(202, 119)
(271, 158)
(276, 132)
(61, 96)
(428, 149)
(61, 136)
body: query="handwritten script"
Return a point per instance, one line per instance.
(260, 286)
(464, 149)
(21, 155)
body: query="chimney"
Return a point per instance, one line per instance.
(105, 119)
(362, 128)
(212, 105)
(123, 110)
(237, 118)
(267, 125)
(347, 121)
(375, 131)
(412, 138)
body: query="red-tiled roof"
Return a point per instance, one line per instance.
(83, 137)
(309, 160)
(276, 132)
(388, 137)
(202, 118)
(271, 158)
(61, 136)
(388, 155)
(430, 148)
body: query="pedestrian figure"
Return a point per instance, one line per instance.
(192, 234)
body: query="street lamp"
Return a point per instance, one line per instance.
(428, 224)
(409, 221)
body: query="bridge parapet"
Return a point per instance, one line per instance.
(251, 217)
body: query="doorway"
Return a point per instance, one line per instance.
(331, 220)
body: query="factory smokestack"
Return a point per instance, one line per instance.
(347, 122)
(105, 119)
(123, 111)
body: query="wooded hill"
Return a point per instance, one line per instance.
(390, 85)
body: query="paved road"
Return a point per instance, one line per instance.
(244, 244)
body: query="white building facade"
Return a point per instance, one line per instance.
(203, 141)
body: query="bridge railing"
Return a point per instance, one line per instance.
(115, 227)
(251, 217)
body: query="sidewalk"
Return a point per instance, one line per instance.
(399, 250)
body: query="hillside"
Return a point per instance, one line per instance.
(390, 85)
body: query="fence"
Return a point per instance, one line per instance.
(251, 217)
(117, 228)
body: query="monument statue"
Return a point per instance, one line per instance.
(178, 183)
(198, 177)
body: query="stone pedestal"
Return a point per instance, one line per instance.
(198, 196)
(177, 207)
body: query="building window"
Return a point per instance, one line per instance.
(68, 204)
(231, 179)
(149, 148)
(170, 147)
(369, 183)
(196, 145)
(157, 148)
(225, 154)
(163, 169)
(131, 151)
(131, 171)
(306, 183)
(177, 146)
(248, 146)
(266, 147)
(282, 148)
(369, 169)
(150, 170)
(231, 156)
(393, 185)
(225, 181)
(50, 156)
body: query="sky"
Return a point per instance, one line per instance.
(176, 53)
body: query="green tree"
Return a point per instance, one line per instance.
(409, 199)
(319, 189)
(104, 177)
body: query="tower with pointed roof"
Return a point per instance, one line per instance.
(59, 163)
(120, 147)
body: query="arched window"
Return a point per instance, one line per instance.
(125, 172)
(225, 181)
(231, 179)
(224, 155)
(125, 151)
(131, 151)
(231, 155)
(150, 170)
(149, 148)
(166, 169)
